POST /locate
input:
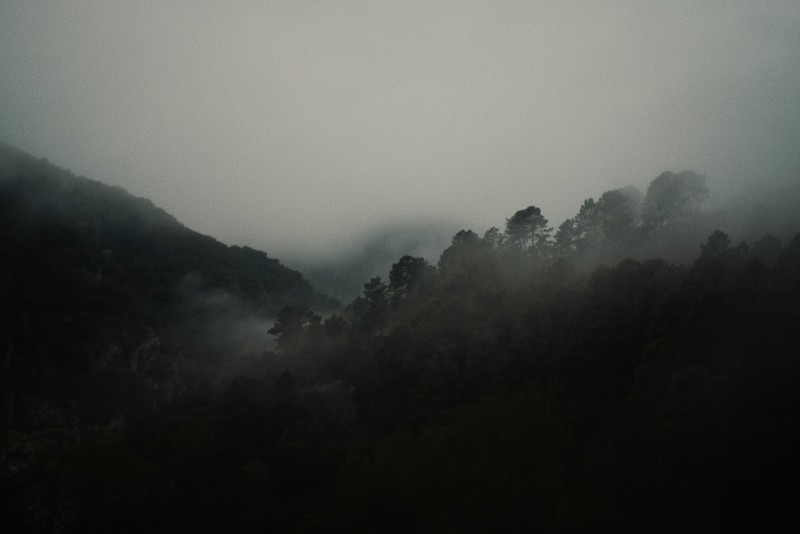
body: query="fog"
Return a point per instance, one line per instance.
(306, 128)
(598, 326)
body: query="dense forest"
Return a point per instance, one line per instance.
(634, 367)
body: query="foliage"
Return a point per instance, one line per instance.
(522, 383)
(527, 230)
(673, 195)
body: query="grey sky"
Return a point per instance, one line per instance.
(295, 127)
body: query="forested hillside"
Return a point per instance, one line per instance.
(632, 368)
(109, 306)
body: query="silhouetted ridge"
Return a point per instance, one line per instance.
(109, 308)
(51, 207)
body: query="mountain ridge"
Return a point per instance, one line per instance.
(110, 306)
(44, 201)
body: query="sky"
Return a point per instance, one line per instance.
(299, 127)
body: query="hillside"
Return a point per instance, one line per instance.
(635, 367)
(48, 208)
(109, 305)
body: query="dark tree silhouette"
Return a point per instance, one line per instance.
(291, 324)
(527, 230)
(369, 311)
(407, 273)
(671, 195)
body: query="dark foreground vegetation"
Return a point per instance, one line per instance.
(532, 380)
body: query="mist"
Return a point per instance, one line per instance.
(304, 128)
(547, 266)
(342, 274)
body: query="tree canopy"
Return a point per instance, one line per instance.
(521, 383)
(673, 195)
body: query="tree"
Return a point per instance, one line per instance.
(369, 311)
(292, 325)
(617, 213)
(565, 236)
(527, 230)
(465, 243)
(468, 261)
(671, 196)
(494, 237)
(335, 326)
(376, 294)
(586, 223)
(406, 275)
(719, 259)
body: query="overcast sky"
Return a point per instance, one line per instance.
(296, 127)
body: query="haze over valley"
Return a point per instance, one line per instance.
(300, 128)
(399, 267)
